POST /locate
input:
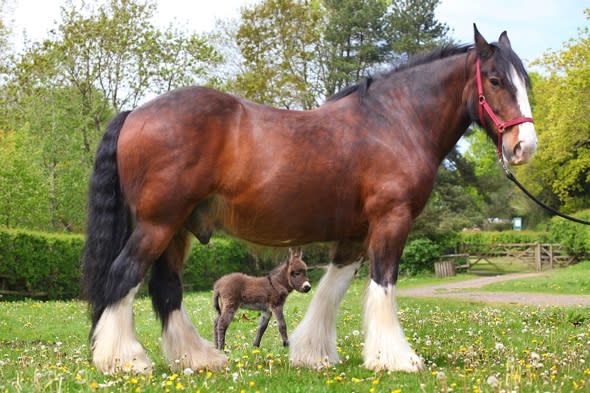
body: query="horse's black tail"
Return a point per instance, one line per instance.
(109, 223)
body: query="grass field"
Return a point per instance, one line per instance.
(573, 280)
(467, 347)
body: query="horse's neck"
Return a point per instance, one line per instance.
(446, 81)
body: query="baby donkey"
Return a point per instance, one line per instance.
(266, 294)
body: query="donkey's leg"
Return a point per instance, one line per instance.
(181, 344)
(278, 312)
(114, 344)
(313, 342)
(227, 315)
(386, 347)
(262, 327)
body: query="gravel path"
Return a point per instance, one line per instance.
(462, 290)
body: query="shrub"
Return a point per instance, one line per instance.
(39, 264)
(574, 237)
(419, 255)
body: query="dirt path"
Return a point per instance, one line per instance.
(461, 290)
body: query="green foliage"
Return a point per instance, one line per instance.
(489, 238)
(206, 263)
(560, 172)
(573, 236)
(414, 26)
(419, 256)
(278, 40)
(40, 264)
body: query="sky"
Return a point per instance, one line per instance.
(534, 26)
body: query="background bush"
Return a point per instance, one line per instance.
(39, 264)
(574, 237)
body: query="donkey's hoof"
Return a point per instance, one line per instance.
(285, 344)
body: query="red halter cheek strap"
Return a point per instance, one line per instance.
(483, 105)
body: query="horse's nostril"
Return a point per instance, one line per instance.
(517, 148)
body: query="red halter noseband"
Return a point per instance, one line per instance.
(483, 104)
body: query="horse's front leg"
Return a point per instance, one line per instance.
(386, 347)
(313, 342)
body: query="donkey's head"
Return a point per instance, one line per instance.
(297, 272)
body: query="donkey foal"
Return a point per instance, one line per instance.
(266, 294)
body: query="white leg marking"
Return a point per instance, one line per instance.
(386, 347)
(313, 342)
(115, 347)
(184, 348)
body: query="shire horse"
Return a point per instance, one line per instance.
(356, 172)
(266, 294)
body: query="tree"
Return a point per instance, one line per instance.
(101, 58)
(354, 41)
(561, 168)
(278, 42)
(414, 27)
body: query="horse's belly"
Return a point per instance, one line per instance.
(272, 222)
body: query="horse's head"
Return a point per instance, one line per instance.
(297, 271)
(503, 104)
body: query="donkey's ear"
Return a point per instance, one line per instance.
(483, 49)
(504, 41)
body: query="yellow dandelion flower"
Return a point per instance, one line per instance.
(256, 352)
(251, 384)
(133, 381)
(355, 380)
(179, 386)
(376, 382)
(209, 374)
(396, 391)
(93, 385)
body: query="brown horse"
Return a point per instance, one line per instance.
(355, 171)
(266, 294)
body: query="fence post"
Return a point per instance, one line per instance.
(551, 256)
(538, 266)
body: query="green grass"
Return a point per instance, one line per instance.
(573, 280)
(467, 347)
(431, 279)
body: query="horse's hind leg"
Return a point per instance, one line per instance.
(313, 342)
(181, 344)
(114, 344)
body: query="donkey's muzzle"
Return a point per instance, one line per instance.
(306, 287)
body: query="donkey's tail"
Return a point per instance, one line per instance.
(109, 224)
(216, 300)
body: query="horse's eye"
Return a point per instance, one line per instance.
(495, 81)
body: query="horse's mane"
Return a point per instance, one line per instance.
(362, 87)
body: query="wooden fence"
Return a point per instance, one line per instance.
(541, 256)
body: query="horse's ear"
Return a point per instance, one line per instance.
(483, 49)
(504, 41)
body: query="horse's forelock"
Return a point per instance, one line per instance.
(505, 58)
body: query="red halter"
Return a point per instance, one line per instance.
(500, 125)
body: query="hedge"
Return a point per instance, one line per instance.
(574, 237)
(39, 264)
(47, 266)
